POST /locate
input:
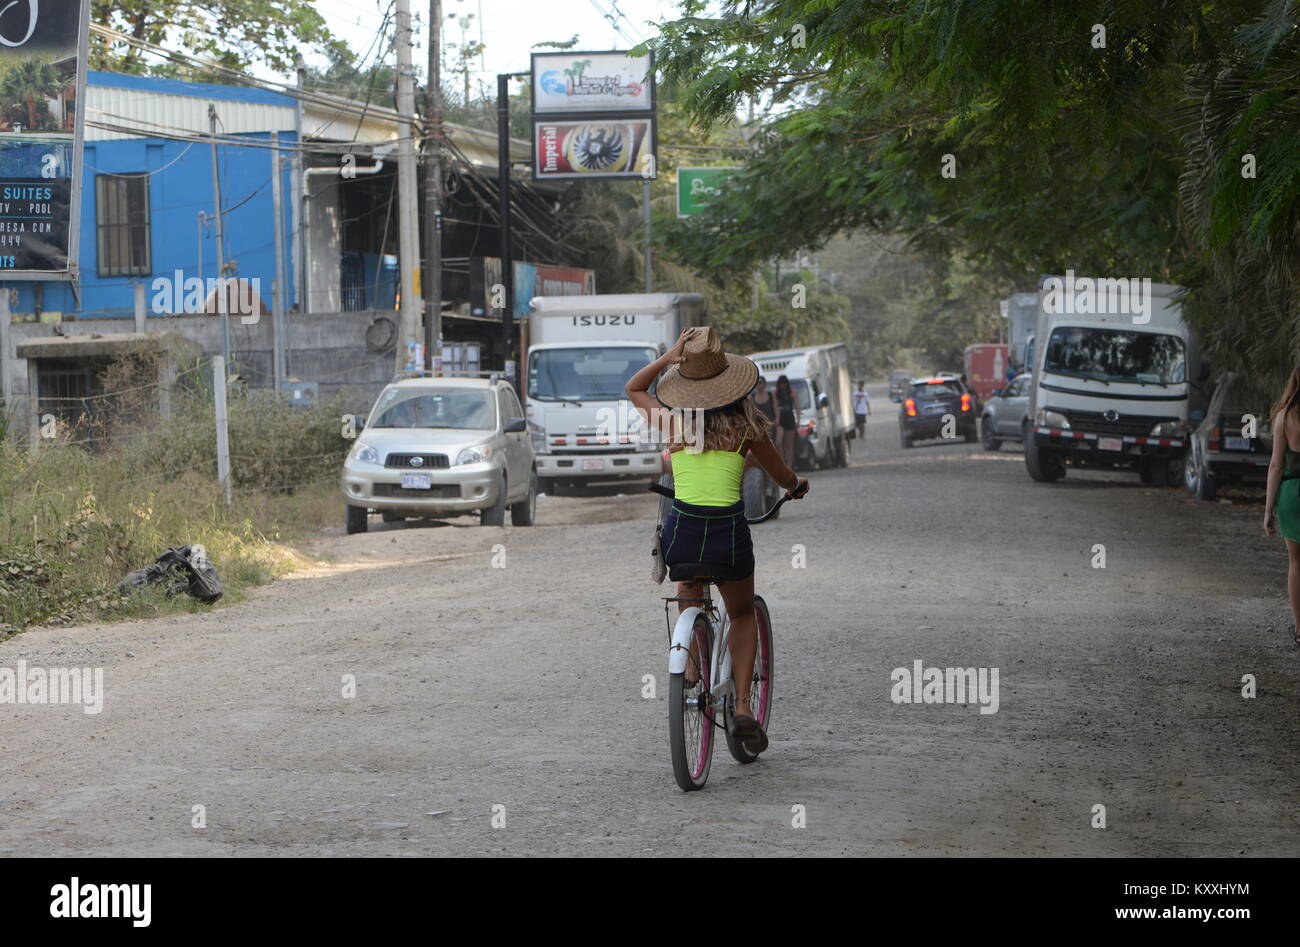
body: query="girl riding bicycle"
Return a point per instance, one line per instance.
(714, 431)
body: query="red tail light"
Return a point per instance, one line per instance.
(1214, 438)
(910, 405)
(965, 402)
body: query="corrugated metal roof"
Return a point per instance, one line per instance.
(151, 106)
(152, 113)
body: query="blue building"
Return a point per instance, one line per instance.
(147, 219)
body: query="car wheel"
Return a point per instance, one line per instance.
(355, 519)
(495, 515)
(1207, 485)
(665, 503)
(1044, 466)
(524, 512)
(546, 485)
(986, 434)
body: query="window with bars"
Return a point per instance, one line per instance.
(122, 224)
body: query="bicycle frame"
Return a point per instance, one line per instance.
(721, 687)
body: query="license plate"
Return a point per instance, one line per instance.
(593, 463)
(1110, 443)
(936, 408)
(1236, 443)
(417, 482)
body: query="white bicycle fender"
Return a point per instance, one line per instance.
(681, 647)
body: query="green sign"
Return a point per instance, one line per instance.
(699, 187)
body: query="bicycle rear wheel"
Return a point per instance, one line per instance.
(760, 688)
(690, 716)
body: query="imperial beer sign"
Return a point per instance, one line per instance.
(42, 84)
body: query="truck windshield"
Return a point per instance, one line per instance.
(1115, 355)
(460, 408)
(595, 373)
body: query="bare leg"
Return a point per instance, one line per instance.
(787, 446)
(739, 597)
(1293, 583)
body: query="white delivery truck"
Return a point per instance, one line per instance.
(581, 352)
(1113, 363)
(819, 377)
(1022, 316)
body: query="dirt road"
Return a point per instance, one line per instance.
(514, 694)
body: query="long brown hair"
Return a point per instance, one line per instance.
(725, 428)
(1287, 406)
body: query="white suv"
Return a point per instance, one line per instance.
(442, 446)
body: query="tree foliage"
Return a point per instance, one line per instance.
(1071, 148)
(232, 33)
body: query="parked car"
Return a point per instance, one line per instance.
(928, 402)
(1004, 417)
(1220, 452)
(442, 446)
(898, 382)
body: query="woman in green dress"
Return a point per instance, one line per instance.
(1282, 501)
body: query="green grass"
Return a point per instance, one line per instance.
(75, 518)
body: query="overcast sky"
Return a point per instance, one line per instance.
(509, 28)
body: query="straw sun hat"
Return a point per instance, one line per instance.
(709, 378)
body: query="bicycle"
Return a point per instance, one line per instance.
(701, 631)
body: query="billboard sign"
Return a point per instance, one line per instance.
(569, 82)
(42, 98)
(593, 147)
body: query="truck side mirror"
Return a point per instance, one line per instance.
(823, 401)
(516, 426)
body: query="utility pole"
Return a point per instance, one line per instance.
(221, 239)
(433, 196)
(507, 252)
(408, 237)
(645, 206)
(278, 319)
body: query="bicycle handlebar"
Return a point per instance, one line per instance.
(754, 521)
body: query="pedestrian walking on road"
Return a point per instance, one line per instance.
(1282, 499)
(861, 408)
(706, 522)
(785, 420)
(765, 401)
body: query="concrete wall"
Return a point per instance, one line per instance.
(327, 348)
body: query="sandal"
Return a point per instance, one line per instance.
(749, 732)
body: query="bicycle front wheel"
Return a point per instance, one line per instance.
(760, 686)
(690, 715)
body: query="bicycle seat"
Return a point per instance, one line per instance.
(704, 571)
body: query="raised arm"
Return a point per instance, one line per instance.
(638, 386)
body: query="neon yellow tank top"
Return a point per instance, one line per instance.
(708, 478)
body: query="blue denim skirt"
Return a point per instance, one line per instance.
(713, 534)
